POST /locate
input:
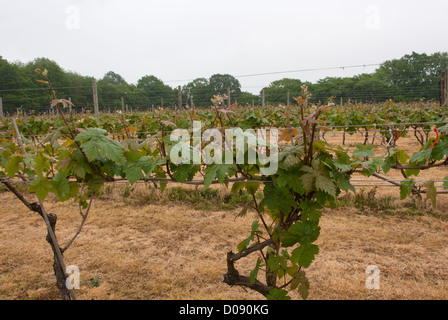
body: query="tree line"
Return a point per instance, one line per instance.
(413, 77)
(410, 78)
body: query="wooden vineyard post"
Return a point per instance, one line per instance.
(443, 90)
(1, 108)
(179, 97)
(228, 98)
(262, 98)
(122, 104)
(287, 99)
(69, 105)
(95, 98)
(446, 87)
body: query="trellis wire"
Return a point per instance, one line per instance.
(149, 180)
(322, 126)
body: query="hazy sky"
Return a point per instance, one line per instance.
(183, 40)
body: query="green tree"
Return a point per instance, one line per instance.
(80, 90)
(220, 82)
(413, 76)
(60, 79)
(135, 97)
(111, 89)
(332, 87)
(59, 76)
(247, 98)
(277, 92)
(12, 81)
(155, 90)
(114, 78)
(368, 87)
(200, 91)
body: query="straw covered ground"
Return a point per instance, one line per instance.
(139, 244)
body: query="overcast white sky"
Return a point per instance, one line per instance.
(186, 39)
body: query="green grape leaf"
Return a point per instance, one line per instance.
(96, 143)
(133, 171)
(317, 175)
(289, 156)
(370, 167)
(291, 179)
(277, 263)
(440, 150)
(301, 232)
(254, 272)
(301, 283)
(406, 187)
(401, 156)
(78, 169)
(213, 171)
(388, 163)
(311, 210)
(431, 192)
(161, 174)
(343, 183)
(137, 169)
(132, 155)
(278, 294)
(363, 150)
(61, 186)
(13, 166)
(184, 172)
(41, 186)
(245, 243)
(304, 254)
(445, 183)
(421, 157)
(41, 164)
(251, 187)
(343, 163)
(278, 198)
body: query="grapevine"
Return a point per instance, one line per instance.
(73, 157)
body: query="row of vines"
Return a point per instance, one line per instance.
(73, 157)
(419, 117)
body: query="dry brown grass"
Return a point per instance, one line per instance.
(167, 250)
(145, 247)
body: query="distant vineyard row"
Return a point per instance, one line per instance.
(348, 118)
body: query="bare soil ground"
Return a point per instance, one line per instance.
(140, 247)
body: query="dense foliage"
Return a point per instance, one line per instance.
(419, 118)
(410, 78)
(79, 155)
